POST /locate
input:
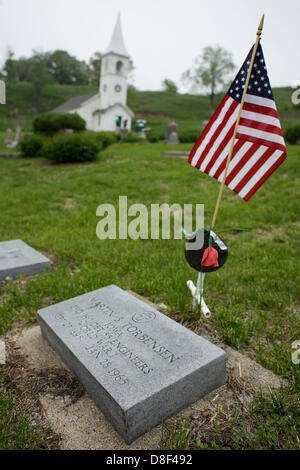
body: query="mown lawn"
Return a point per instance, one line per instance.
(255, 297)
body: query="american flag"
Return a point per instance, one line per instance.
(259, 146)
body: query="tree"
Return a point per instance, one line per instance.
(211, 70)
(94, 68)
(39, 74)
(58, 66)
(11, 67)
(66, 69)
(169, 86)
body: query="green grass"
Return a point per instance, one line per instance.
(255, 296)
(16, 433)
(271, 423)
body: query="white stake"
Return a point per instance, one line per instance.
(196, 295)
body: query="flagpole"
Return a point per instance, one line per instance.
(258, 34)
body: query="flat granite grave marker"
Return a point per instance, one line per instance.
(138, 365)
(16, 257)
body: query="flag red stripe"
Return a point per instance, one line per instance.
(207, 127)
(264, 177)
(256, 108)
(267, 154)
(250, 152)
(257, 140)
(220, 149)
(260, 126)
(236, 148)
(217, 132)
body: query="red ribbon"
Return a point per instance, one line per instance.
(210, 257)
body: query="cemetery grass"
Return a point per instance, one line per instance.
(4, 150)
(255, 296)
(16, 431)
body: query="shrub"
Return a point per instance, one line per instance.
(188, 136)
(131, 138)
(31, 146)
(292, 134)
(71, 148)
(104, 138)
(50, 124)
(153, 136)
(107, 138)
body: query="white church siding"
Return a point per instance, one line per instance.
(108, 119)
(103, 120)
(86, 112)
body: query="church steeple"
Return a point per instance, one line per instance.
(116, 44)
(115, 66)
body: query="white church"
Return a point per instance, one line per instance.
(106, 110)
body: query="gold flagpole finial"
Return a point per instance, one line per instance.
(261, 25)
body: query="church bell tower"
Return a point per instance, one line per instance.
(115, 67)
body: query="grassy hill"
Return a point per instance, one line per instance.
(157, 107)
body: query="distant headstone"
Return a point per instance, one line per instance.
(8, 137)
(172, 133)
(123, 132)
(16, 257)
(18, 134)
(137, 364)
(15, 143)
(2, 92)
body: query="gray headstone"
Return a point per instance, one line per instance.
(172, 133)
(18, 133)
(8, 136)
(16, 257)
(173, 139)
(124, 132)
(138, 365)
(2, 92)
(15, 143)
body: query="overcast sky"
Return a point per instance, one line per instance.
(163, 37)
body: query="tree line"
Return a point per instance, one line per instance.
(211, 71)
(56, 67)
(43, 68)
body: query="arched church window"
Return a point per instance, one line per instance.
(119, 66)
